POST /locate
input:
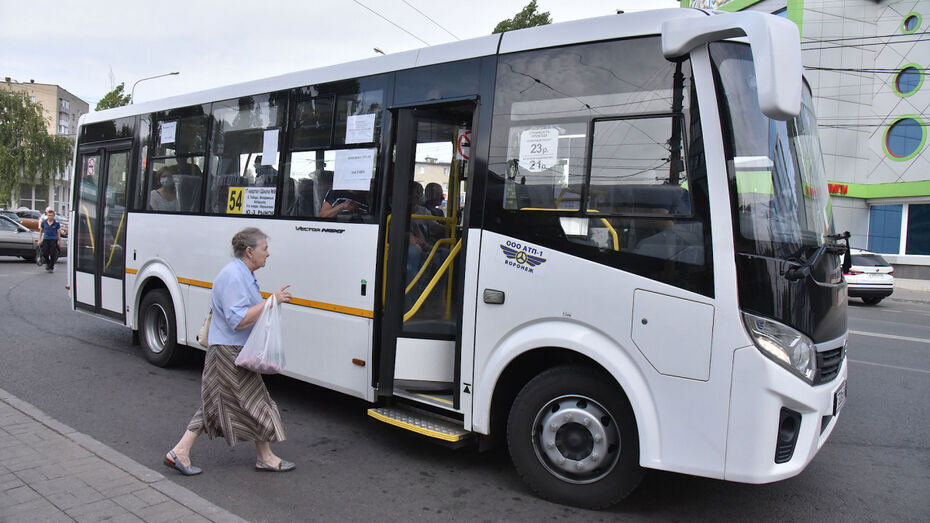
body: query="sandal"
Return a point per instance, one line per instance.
(175, 463)
(284, 466)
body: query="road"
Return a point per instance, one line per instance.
(85, 372)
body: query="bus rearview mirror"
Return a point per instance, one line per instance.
(778, 74)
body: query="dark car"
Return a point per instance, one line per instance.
(11, 215)
(17, 240)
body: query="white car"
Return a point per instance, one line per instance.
(870, 277)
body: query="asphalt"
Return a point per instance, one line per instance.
(50, 472)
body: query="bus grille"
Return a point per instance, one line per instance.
(828, 364)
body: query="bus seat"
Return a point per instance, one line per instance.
(305, 204)
(681, 242)
(324, 182)
(188, 191)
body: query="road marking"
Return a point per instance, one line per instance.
(889, 366)
(890, 336)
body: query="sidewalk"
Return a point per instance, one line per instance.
(49, 472)
(911, 290)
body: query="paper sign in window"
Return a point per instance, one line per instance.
(270, 147)
(539, 149)
(169, 131)
(354, 169)
(360, 128)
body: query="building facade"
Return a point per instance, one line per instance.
(62, 111)
(866, 62)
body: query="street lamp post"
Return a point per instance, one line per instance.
(132, 94)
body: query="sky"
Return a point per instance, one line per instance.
(88, 47)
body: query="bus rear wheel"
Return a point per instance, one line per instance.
(158, 330)
(572, 438)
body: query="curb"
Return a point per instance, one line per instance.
(119, 460)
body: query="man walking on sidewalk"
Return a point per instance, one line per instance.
(51, 239)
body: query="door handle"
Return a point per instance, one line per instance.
(493, 296)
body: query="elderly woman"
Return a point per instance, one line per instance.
(235, 403)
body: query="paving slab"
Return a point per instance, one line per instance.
(51, 472)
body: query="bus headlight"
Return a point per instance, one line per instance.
(786, 346)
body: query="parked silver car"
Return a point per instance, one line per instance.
(17, 240)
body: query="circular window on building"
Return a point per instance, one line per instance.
(905, 138)
(911, 23)
(908, 80)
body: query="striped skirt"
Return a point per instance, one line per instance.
(235, 403)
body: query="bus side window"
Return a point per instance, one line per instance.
(243, 172)
(175, 176)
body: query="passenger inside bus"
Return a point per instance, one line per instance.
(433, 199)
(265, 175)
(165, 196)
(338, 201)
(305, 202)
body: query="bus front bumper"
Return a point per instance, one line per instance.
(766, 401)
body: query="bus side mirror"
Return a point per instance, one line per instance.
(776, 52)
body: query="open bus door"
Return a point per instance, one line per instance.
(100, 229)
(423, 264)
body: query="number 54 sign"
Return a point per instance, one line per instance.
(250, 200)
(234, 203)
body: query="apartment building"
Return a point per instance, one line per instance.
(62, 111)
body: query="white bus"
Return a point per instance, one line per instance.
(632, 266)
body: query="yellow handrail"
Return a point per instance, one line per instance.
(613, 233)
(90, 230)
(387, 229)
(429, 288)
(116, 240)
(426, 263)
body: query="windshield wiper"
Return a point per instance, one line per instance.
(799, 271)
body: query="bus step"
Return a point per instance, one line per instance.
(444, 429)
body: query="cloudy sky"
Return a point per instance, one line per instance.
(89, 46)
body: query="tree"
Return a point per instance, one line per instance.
(114, 98)
(28, 154)
(528, 17)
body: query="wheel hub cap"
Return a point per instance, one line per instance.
(576, 439)
(156, 328)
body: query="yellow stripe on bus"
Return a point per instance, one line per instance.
(196, 283)
(131, 271)
(334, 308)
(352, 311)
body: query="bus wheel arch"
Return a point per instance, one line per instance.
(573, 437)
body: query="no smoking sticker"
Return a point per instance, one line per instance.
(463, 145)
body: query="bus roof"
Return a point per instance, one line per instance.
(577, 31)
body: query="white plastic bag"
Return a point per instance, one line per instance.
(263, 352)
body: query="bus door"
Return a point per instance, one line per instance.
(424, 255)
(100, 229)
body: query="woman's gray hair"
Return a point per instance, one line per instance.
(248, 237)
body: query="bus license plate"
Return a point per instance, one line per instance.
(839, 399)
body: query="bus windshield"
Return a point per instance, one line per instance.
(781, 204)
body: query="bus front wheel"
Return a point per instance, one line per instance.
(158, 330)
(572, 438)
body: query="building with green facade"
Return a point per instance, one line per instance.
(866, 62)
